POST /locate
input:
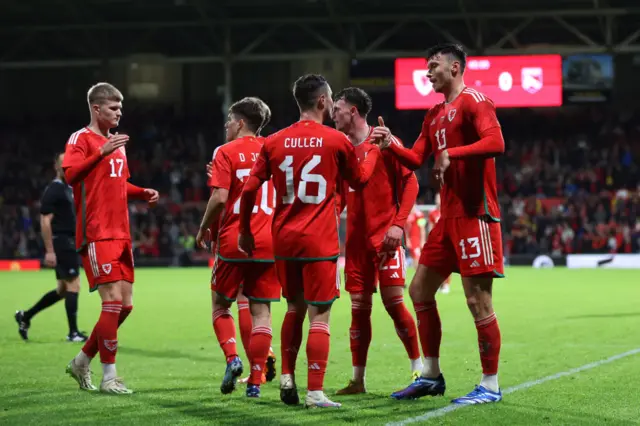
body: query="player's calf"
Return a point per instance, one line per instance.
(479, 300)
(291, 337)
(359, 341)
(404, 323)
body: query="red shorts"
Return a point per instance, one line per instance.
(363, 269)
(107, 261)
(258, 280)
(468, 245)
(319, 280)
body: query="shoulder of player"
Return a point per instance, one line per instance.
(433, 112)
(78, 136)
(335, 136)
(472, 98)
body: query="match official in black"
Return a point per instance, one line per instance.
(58, 227)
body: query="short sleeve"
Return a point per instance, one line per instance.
(48, 201)
(221, 170)
(483, 115)
(76, 150)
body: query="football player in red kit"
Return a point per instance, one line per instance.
(465, 136)
(245, 322)
(232, 271)
(376, 216)
(95, 165)
(308, 163)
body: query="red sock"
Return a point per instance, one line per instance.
(489, 342)
(107, 331)
(405, 325)
(225, 331)
(90, 347)
(245, 323)
(317, 354)
(259, 350)
(124, 313)
(290, 341)
(429, 328)
(360, 332)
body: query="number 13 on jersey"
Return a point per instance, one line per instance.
(441, 138)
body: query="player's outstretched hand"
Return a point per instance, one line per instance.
(381, 134)
(441, 165)
(50, 259)
(152, 196)
(392, 239)
(115, 141)
(246, 244)
(203, 238)
(210, 169)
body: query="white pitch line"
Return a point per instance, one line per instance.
(449, 408)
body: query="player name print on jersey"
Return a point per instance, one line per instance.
(307, 161)
(312, 142)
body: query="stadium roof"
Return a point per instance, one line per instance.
(85, 32)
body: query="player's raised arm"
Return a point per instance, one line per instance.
(78, 164)
(415, 157)
(357, 174)
(491, 143)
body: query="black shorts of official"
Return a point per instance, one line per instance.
(68, 260)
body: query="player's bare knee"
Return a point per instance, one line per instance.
(319, 313)
(110, 292)
(220, 302)
(362, 298)
(389, 294)
(480, 304)
(260, 311)
(298, 306)
(61, 288)
(72, 286)
(127, 293)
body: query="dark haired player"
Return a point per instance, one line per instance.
(232, 271)
(58, 224)
(376, 216)
(307, 162)
(464, 135)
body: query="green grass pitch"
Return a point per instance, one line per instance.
(552, 321)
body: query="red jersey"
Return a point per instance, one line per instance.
(308, 162)
(232, 163)
(434, 217)
(470, 187)
(372, 209)
(415, 222)
(100, 198)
